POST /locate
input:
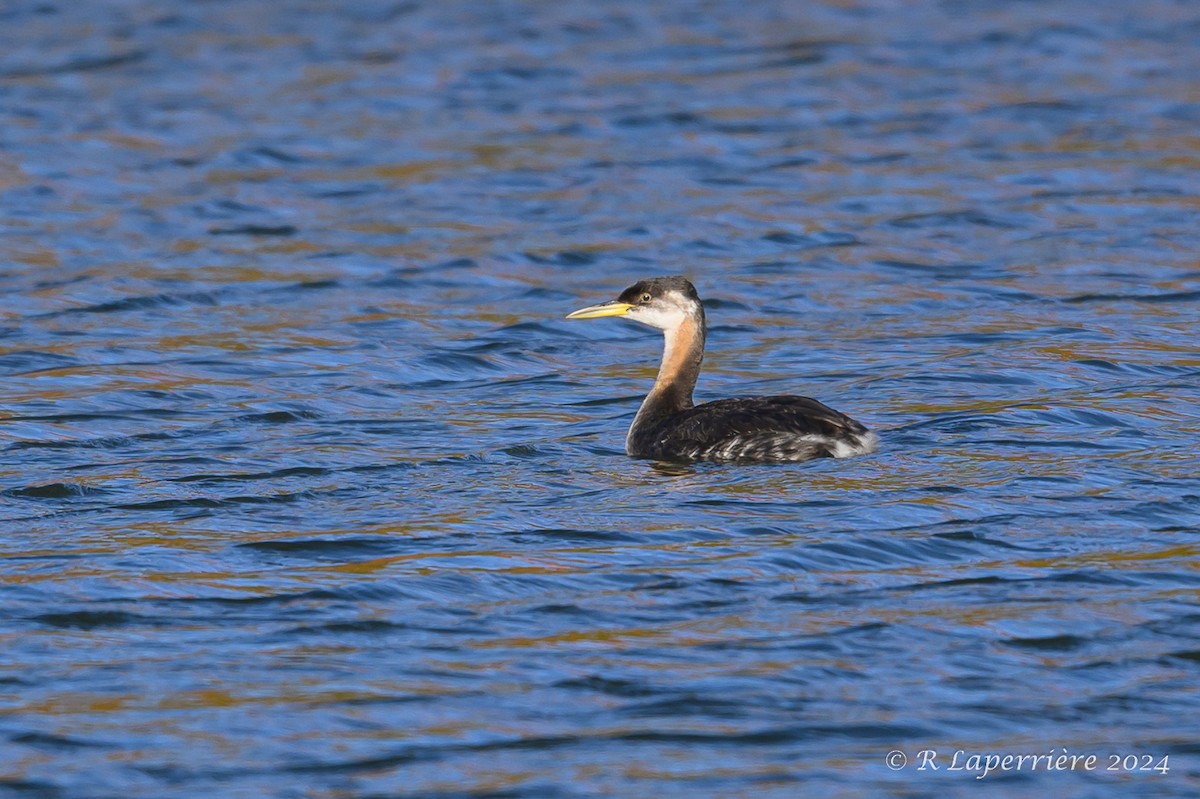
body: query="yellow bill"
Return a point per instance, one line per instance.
(613, 308)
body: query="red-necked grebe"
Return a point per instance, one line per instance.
(747, 429)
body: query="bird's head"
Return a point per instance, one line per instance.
(662, 302)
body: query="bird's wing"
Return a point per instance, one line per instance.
(784, 428)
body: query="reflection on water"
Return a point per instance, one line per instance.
(309, 490)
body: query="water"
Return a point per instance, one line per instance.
(309, 491)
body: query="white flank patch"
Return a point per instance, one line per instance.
(860, 446)
(788, 447)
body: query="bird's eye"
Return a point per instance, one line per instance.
(645, 298)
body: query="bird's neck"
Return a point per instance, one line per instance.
(683, 352)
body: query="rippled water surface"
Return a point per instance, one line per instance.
(308, 490)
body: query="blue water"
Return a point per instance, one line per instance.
(308, 490)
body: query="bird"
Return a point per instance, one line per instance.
(670, 427)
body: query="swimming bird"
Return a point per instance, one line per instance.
(669, 427)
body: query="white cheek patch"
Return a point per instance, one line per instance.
(665, 314)
(658, 316)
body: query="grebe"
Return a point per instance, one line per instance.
(747, 429)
